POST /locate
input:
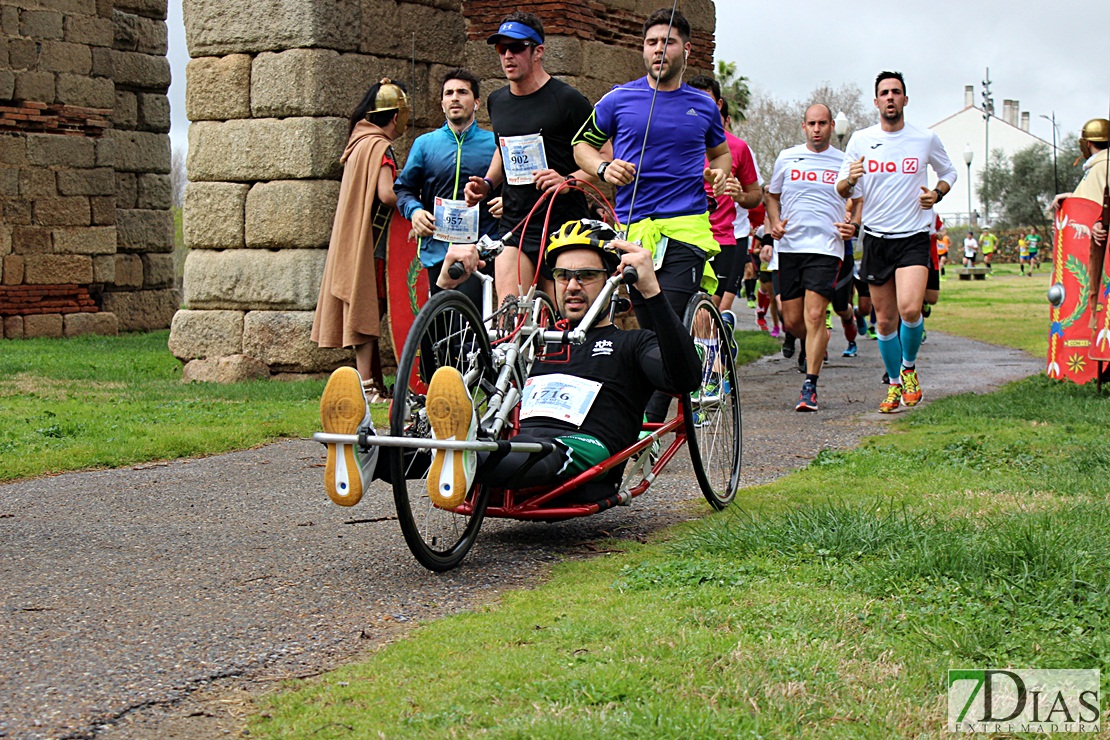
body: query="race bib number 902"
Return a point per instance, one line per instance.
(521, 156)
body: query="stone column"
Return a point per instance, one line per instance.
(71, 261)
(142, 293)
(270, 86)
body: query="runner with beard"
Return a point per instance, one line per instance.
(660, 182)
(886, 165)
(430, 187)
(807, 220)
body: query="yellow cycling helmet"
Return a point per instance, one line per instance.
(583, 234)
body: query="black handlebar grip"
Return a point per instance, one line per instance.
(629, 275)
(456, 270)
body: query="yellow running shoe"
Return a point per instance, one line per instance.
(343, 410)
(911, 388)
(451, 414)
(893, 399)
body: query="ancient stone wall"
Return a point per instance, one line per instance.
(86, 234)
(269, 88)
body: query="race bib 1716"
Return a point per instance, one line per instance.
(558, 396)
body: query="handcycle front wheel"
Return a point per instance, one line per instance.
(712, 412)
(447, 333)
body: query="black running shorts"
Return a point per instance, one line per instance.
(845, 282)
(883, 255)
(801, 272)
(933, 281)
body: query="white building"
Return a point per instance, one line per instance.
(967, 130)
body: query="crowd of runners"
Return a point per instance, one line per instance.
(687, 192)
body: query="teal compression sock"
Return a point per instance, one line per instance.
(890, 349)
(911, 334)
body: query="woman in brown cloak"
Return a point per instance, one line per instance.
(352, 293)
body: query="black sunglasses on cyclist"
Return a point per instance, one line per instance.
(516, 47)
(584, 276)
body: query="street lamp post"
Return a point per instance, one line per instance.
(988, 111)
(841, 124)
(968, 156)
(1055, 178)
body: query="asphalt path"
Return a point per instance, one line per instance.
(158, 600)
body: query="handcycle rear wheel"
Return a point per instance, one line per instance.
(447, 333)
(712, 412)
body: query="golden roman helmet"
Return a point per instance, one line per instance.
(391, 97)
(1096, 129)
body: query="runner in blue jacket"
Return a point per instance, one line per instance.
(439, 165)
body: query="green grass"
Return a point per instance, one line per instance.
(105, 402)
(827, 604)
(751, 345)
(1008, 309)
(69, 404)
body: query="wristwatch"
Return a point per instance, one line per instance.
(601, 170)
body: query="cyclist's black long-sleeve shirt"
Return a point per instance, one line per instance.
(630, 365)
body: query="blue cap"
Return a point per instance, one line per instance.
(515, 30)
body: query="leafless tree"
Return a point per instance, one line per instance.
(773, 124)
(178, 177)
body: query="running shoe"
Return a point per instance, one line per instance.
(871, 333)
(761, 323)
(911, 388)
(343, 410)
(807, 401)
(924, 336)
(751, 303)
(788, 345)
(893, 399)
(802, 361)
(861, 324)
(851, 351)
(729, 319)
(886, 379)
(776, 332)
(451, 414)
(926, 310)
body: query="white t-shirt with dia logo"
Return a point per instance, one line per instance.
(805, 182)
(894, 169)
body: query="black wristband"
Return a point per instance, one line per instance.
(856, 225)
(767, 240)
(940, 196)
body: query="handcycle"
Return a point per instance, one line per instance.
(494, 352)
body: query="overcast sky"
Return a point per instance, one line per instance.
(1054, 59)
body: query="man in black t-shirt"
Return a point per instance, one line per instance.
(534, 118)
(587, 399)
